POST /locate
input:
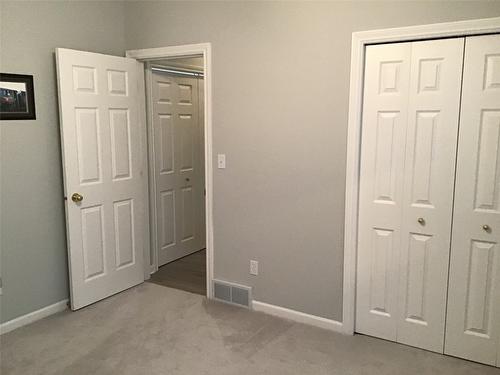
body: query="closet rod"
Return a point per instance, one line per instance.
(190, 73)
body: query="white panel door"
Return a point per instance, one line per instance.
(385, 108)
(179, 166)
(473, 318)
(102, 144)
(409, 135)
(429, 176)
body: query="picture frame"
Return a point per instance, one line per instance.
(17, 97)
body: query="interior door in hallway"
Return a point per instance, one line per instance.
(473, 318)
(178, 134)
(104, 169)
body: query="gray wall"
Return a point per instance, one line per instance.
(33, 242)
(281, 83)
(188, 62)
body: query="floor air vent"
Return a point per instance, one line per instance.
(232, 293)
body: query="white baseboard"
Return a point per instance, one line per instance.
(33, 316)
(297, 316)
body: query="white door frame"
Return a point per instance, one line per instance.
(203, 49)
(359, 41)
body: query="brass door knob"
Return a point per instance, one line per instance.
(76, 197)
(421, 221)
(486, 227)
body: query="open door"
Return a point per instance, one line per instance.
(103, 165)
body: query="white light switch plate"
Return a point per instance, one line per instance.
(254, 267)
(221, 161)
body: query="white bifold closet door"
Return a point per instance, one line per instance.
(178, 132)
(408, 152)
(473, 319)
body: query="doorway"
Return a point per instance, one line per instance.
(182, 58)
(175, 122)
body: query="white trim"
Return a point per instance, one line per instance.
(359, 41)
(151, 174)
(33, 316)
(185, 50)
(204, 49)
(141, 86)
(297, 316)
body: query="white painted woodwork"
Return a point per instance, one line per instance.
(177, 117)
(202, 203)
(409, 135)
(385, 112)
(429, 175)
(473, 318)
(360, 40)
(101, 140)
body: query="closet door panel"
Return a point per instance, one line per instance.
(429, 175)
(473, 318)
(387, 71)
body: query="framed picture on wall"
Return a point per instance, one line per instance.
(17, 98)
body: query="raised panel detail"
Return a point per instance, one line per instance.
(492, 72)
(187, 214)
(382, 246)
(93, 242)
(117, 82)
(488, 173)
(120, 143)
(186, 127)
(185, 94)
(479, 288)
(416, 287)
(389, 77)
(89, 145)
(166, 144)
(167, 230)
(124, 233)
(385, 165)
(84, 79)
(425, 125)
(429, 74)
(164, 93)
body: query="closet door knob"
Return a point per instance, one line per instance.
(421, 221)
(486, 228)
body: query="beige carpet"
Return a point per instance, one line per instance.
(151, 329)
